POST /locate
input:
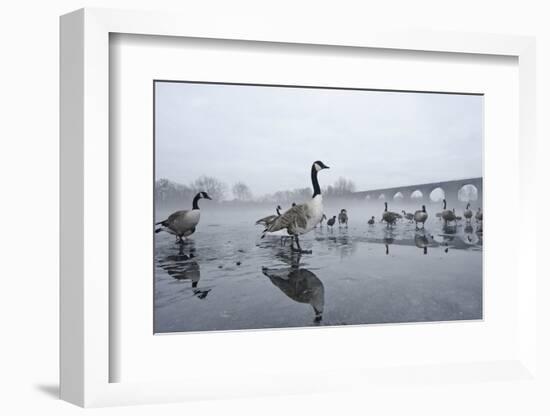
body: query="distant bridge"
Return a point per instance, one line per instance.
(421, 193)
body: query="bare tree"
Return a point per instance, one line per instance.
(241, 191)
(342, 187)
(213, 186)
(168, 192)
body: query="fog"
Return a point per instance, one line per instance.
(267, 137)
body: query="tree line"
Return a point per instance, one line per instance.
(169, 192)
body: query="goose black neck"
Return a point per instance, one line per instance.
(315, 182)
(278, 211)
(196, 201)
(444, 204)
(385, 206)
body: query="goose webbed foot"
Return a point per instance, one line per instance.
(298, 249)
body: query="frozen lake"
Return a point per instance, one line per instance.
(225, 277)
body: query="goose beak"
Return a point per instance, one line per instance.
(207, 197)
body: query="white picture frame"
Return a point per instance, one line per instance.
(85, 183)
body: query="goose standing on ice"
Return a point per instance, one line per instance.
(447, 214)
(479, 215)
(389, 216)
(324, 217)
(270, 218)
(468, 213)
(302, 218)
(331, 221)
(408, 216)
(420, 216)
(371, 221)
(183, 223)
(343, 218)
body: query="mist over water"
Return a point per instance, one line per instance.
(226, 277)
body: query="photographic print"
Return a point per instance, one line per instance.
(288, 206)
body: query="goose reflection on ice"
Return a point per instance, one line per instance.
(300, 285)
(182, 267)
(421, 241)
(389, 238)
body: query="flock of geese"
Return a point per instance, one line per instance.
(300, 219)
(420, 216)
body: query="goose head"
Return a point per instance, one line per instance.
(423, 208)
(200, 195)
(318, 165)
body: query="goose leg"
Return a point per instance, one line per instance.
(299, 249)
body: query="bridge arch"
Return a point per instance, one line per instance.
(398, 196)
(382, 196)
(417, 194)
(468, 193)
(437, 194)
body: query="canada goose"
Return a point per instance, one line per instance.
(408, 216)
(468, 213)
(331, 221)
(421, 216)
(447, 214)
(301, 219)
(324, 217)
(267, 220)
(389, 216)
(183, 223)
(479, 215)
(371, 221)
(343, 217)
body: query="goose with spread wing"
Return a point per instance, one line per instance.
(390, 217)
(270, 218)
(302, 218)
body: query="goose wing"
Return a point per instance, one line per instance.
(182, 222)
(172, 218)
(267, 220)
(293, 219)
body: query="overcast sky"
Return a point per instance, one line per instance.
(269, 136)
